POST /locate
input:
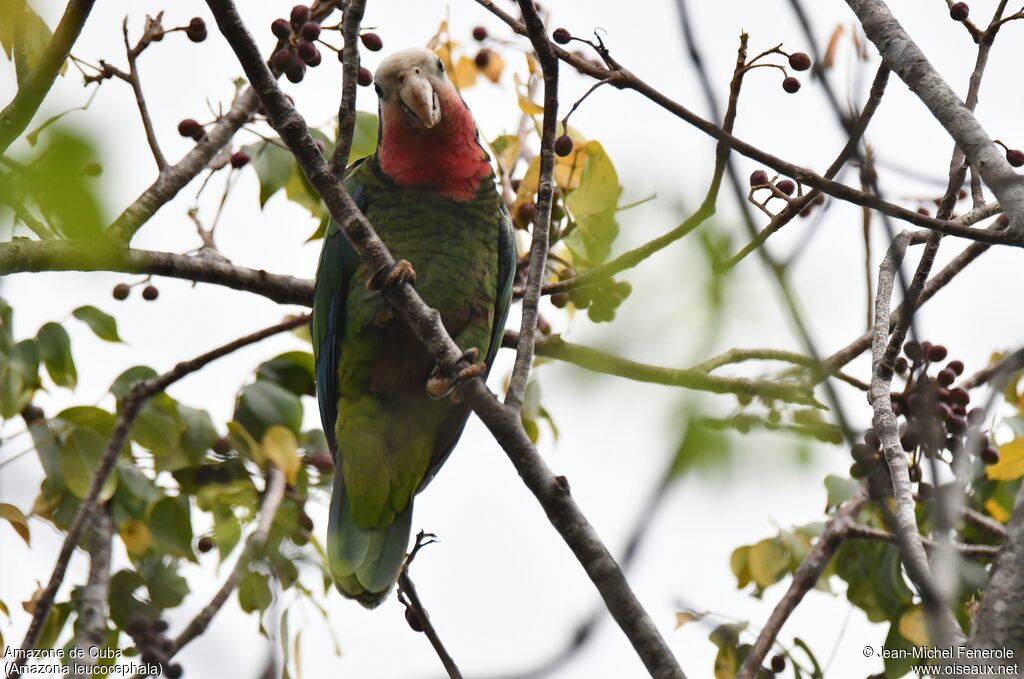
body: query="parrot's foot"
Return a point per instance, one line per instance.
(440, 386)
(401, 272)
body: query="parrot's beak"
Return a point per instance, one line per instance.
(419, 101)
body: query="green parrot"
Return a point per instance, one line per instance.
(429, 192)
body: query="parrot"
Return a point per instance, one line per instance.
(430, 193)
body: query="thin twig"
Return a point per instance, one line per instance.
(130, 407)
(349, 73)
(140, 100)
(545, 194)
(410, 598)
(968, 550)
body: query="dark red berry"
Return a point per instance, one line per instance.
(778, 663)
(990, 455)
(322, 460)
(791, 85)
(160, 626)
(560, 300)
(945, 377)
(561, 36)
(871, 440)
(527, 212)
(189, 127)
(937, 353)
(858, 470)
(365, 78)
(913, 350)
(1015, 157)
(957, 424)
(959, 396)
(956, 366)
(861, 452)
(787, 186)
(281, 29)
(310, 31)
(281, 60)
(150, 293)
(296, 70)
(308, 52)
(300, 15)
(943, 411)
(959, 11)
(305, 522)
(480, 33)
(758, 178)
(239, 159)
(205, 544)
(372, 41)
(901, 365)
(222, 446)
(174, 671)
(563, 146)
(516, 183)
(413, 619)
(121, 291)
(196, 30)
(482, 58)
(799, 61)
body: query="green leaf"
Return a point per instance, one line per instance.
(701, 448)
(159, 427)
(263, 404)
(61, 189)
(137, 483)
(124, 382)
(103, 324)
(55, 350)
(13, 394)
(280, 446)
(32, 35)
(227, 531)
(17, 520)
(199, 434)
(254, 592)
(80, 455)
(768, 560)
(273, 164)
(170, 521)
(124, 605)
(167, 588)
(292, 370)
(593, 206)
(839, 489)
(90, 417)
(364, 136)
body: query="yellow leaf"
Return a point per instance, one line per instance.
(569, 169)
(283, 451)
(506, 150)
(17, 519)
(768, 561)
(136, 536)
(464, 74)
(245, 444)
(912, 626)
(495, 65)
(528, 107)
(531, 64)
(1011, 462)
(996, 511)
(683, 617)
(740, 565)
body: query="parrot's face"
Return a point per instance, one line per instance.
(413, 89)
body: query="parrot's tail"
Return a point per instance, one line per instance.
(364, 563)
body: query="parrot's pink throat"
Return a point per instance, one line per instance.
(446, 159)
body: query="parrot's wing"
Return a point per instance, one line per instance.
(451, 427)
(338, 261)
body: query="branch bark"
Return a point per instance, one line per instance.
(349, 73)
(545, 193)
(18, 114)
(503, 422)
(91, 629)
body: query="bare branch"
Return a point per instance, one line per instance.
(943, 627)
(804, 579)
(91, 628)
(504, 423)
(130, 407)
(410, 598)
(18, 114)
(968, 550)
(349, 74)
(140, 100)
(545, 194)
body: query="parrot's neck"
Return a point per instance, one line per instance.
(448, 159)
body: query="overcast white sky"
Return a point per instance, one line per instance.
(502, 589)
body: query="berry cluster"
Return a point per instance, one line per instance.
(150, 637)
(934, 412)
(759, 179)
(122, 290)
(300, 35)
(600, 299)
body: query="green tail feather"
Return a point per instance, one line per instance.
(364, 563)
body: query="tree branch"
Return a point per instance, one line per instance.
(18, 114)
(542, 221)
(349, 73)
(410, 598)
(943, 627)
(804, 579)
(91, 628)
(129, 408)
(140, 100)
(904, 57)
(505, 423)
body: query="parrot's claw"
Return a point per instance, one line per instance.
(440, 386)
(402, 272)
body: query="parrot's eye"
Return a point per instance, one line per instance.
(380, 92)
(440, 66)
